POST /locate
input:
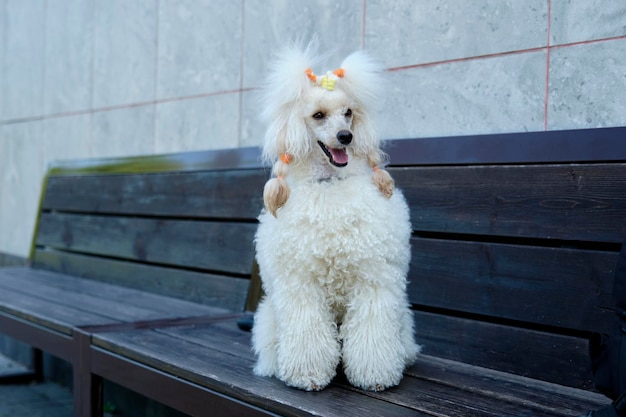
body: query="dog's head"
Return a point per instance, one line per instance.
(321, 120)
(326, 114)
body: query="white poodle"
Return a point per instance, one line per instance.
(333, 243)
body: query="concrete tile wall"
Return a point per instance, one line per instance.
(586, 20)
(209, 122)
(588, 85)
(124, 52)
(22, 172)
(498, 94)
(438, 30)
(68, 56)
(199, 47)
(106, 78)
(23, 59)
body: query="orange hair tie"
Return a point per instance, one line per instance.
(309, 73)
(376, 169)
(339, 72)
(286, 158)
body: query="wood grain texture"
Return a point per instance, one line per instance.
(63, 302)
(219, 291)
(218, 356)
(38, 309)
(231, 375)
(566, 201)
(212, 246)
(535, 354)
(236, 194)
(577, 145)
(529, 284)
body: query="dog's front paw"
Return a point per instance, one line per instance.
(309, 382)
(372, 380)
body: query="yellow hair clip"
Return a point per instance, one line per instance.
(328, 83)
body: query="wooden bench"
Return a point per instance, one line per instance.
(132, 243)
(515, 242)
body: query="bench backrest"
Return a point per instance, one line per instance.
(180, 225)
(515, 240)
(514, 248)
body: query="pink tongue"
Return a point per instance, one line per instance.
(339, 155)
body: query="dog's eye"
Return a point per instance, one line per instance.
(319, 115)
(348, 113)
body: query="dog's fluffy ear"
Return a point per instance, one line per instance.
(285, 84)
(362, 79)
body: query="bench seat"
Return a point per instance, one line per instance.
(63, 302)
(217, 357)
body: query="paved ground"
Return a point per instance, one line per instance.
(38, 400)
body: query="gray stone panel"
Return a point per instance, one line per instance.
(500, 94)
(124, 52)
(272, 25)
(22, 83)
(196, 124)
(588, 86)
(252, 129)
(199, 47)
(123, 132)
(408, 32)
(67, 137)
(68, 56)
(22, 174)
(585, 20)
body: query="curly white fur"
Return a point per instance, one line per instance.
(335, 253)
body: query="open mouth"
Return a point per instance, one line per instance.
(337, 156)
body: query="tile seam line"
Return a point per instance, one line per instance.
(155, 82)
(363, 23)
(121, 106)
(547, 76)
(241, 69)
(507, 53)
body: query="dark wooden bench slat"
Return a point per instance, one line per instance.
(118, 303)
(214, 290)
(417, 391)
(532, 394)
(546, 356)
(574, 145)
(60, 318)
(568, 202)
(217, 194)
(205, 245)
(82, 302)
(232, 376)
(483, 278)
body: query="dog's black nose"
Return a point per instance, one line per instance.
(344, 137)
